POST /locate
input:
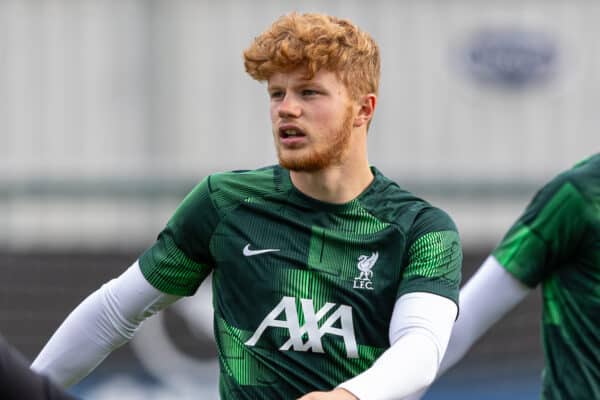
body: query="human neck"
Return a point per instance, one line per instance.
(336, 184)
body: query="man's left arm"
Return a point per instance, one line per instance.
(422, 318)
(419, 333)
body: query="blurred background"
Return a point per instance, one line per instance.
(112, 110)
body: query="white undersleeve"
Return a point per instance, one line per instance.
(419, 332)
(105, 320)
(484, 299)
(108, 318)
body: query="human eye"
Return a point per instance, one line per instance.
(310, 92)
(276, 94)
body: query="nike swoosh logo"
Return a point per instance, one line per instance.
(249, 253)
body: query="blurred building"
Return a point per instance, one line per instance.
(112, 110)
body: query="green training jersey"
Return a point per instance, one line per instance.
(303, 290)
(556, 242)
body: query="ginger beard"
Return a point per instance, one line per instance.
(324, 154)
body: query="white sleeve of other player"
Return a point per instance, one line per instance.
(105, 320)
(485, 298)
(419, 332)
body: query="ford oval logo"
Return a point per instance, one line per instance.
(511, 58)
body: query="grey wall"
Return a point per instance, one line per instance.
(111, 110)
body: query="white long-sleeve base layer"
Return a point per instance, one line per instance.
(419, 332)
(484, 300)
(104, 321)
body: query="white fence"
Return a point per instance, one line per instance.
(110, 110)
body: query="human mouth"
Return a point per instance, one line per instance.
(291, 133)
(291, 136)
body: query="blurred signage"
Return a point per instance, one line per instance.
(510, 57)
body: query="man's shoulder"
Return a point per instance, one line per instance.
(400, 206)
(243, 175)
(584, 177)
(389, 189)
(263, 179)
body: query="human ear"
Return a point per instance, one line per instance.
(367, 104)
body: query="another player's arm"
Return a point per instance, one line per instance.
(549, 228)
(479, 311)
(546, 233)
(20, 382)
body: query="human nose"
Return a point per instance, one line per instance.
(289, 107)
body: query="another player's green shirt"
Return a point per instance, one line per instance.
(556, 242)
(303, 290)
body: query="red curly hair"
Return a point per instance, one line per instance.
(315, 41)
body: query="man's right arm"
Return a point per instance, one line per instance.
(104, 321)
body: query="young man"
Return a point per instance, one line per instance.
(18, 381)
(555, 243)
(329, 281)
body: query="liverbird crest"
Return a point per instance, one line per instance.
(365, 264)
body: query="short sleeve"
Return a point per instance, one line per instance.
(180, 258)
(434, 256)
(548, 232)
